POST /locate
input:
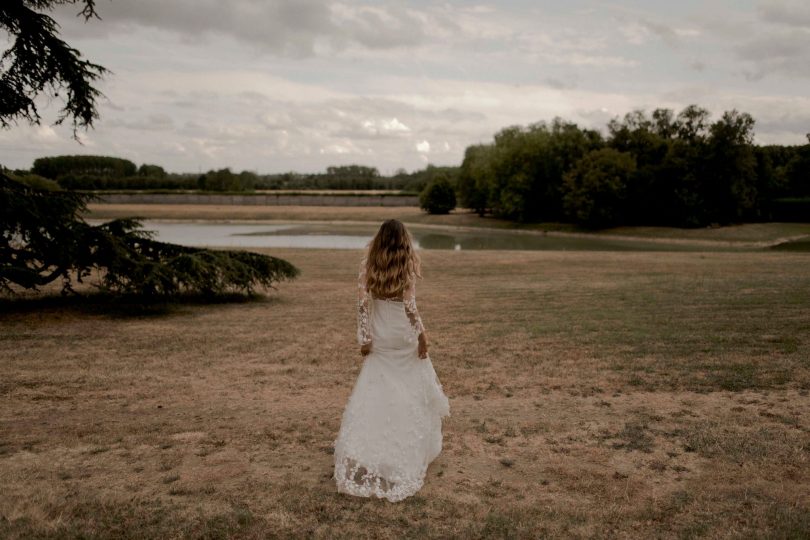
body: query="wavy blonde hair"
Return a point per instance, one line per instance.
(391, 261)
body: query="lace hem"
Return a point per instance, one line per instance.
(355, 479)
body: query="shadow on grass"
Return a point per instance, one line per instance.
(120, 306)
(802, 245)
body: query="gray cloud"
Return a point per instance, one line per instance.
(796, 14)
(152, 122)
(296, 28)
(665, 32)
(276, 85)
(697, 65)
(785, 122)
(783, 52)
(559, 84)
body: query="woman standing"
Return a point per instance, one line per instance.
(392, 424)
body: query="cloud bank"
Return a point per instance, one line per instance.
(303, 84)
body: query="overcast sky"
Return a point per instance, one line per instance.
(278, 85)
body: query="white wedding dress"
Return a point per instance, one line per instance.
(392, 425)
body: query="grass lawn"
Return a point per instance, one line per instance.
(645, 395)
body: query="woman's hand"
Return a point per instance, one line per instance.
(365, 349)
(423, 346)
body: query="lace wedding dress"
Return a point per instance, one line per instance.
(392, 425)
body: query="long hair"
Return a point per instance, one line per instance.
(392, 260)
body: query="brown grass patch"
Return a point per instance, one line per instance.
(592, 395)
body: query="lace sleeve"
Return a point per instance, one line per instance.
(363, 301)
(409, 300)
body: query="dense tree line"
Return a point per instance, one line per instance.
(104, 172)
(357, 177)
(656, 169)
(661, 168)
(112, 173)
(99, 166)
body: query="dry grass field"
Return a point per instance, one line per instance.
(593, 395)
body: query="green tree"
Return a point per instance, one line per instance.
(98, 167)
(39, 62)
(42, 234)
(596, 188)
(151, 171)
(44, 238)
(649, 141)
(730, 188)
(475, 178)
(248, 180)
(350, 177)
(220, 180)
(692, 123)
(528, 166)
(438, 197)
(797, 172)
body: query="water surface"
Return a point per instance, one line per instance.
(351, 236)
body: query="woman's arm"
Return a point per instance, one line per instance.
(363, 302)
(409, 300)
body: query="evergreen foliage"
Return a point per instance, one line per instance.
(44, 238)
(39, 62)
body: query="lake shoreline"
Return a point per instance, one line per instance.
(749, 236)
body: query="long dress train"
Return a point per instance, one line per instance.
(392, 425)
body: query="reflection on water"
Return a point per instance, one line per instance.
(349, 236)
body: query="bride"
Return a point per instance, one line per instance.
(391, 428)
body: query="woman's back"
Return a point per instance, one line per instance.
(391, 427)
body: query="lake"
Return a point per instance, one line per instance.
(356, 236)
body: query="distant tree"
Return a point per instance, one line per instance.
(596, 188)
(475, 178)
(692, 123)
(220, 180)
(648, 140)
(663, 123)
(438, 197)
(247, 180)
(33, 180)
(797, 172)
(690, 171)
(349, 177)
(98, 167)
(528, 165)
(151, 171)
(352, 171)
(39, 62)
(731, 182)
